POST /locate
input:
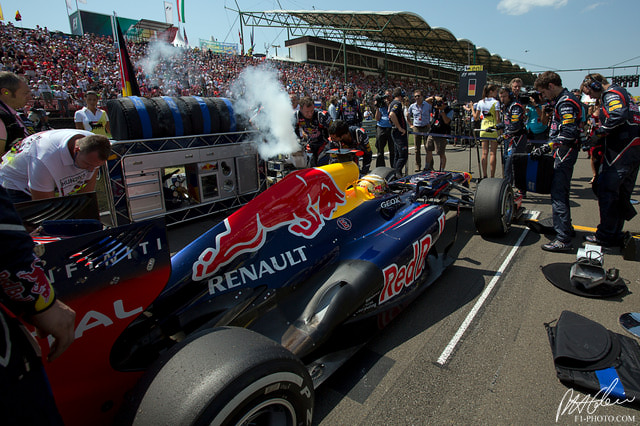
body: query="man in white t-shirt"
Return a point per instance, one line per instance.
(56, 162)
(91, 117)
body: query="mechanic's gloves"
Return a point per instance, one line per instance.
(499, 126)
(538, 152)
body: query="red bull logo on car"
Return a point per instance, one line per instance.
(397, 277)
(246, 230)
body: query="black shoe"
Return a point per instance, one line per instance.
(592, 239)
(557, 246)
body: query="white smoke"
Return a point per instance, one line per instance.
(260, 98)
(161, 52)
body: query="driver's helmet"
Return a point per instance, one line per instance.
(374, 184)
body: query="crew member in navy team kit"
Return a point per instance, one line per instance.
(312, 127)
(399, 130)
(514, 123)
(564, 134)
(26, 294)
(620, 122)
(349, 109)
(344, 136)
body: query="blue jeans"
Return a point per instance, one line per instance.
(565, 159)
(401, 143)
(614, 187)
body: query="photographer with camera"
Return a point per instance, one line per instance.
(420, 115)
(620, 131)
(92, 118)
(537, 119)
(440, 125)
(383, 128)
(564, 135)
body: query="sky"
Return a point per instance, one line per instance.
(539, 35)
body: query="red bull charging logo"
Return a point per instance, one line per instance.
(302, 201)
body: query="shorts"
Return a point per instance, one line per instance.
(437, 144)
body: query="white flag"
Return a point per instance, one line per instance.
(168, 12)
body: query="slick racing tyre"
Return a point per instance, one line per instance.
(224, 376)
(493, 209)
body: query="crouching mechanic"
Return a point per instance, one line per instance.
(620, 122)
(514, 123)
(312, 127)
(57, 162)
(344, 136)
(564, 134)
(25, 293)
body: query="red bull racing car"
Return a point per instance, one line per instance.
(242, 324)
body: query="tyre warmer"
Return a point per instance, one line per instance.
(589, 357)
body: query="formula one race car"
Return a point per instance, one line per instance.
(241, 325)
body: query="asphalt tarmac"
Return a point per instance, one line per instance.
(473, 348)
(500, 371)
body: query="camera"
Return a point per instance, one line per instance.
(548, 108)
(438, 103)
(380, 100)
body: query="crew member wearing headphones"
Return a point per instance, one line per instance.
(620, 130)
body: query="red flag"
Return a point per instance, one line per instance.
(127, 73)
(18, 16)
(241, 44)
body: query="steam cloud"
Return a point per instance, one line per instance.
(259, 96)
(161, 52)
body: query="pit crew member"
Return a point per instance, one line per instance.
(514, 123)
(620, 123)
(564, 135)
(312, 127)
(26, 294)
(344, 136)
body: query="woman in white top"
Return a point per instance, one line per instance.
(487, 109)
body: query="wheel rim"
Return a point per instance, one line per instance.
(507, 210)
(275, 411)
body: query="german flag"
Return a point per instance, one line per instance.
(127, 73)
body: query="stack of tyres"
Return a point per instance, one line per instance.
(135, 117)
(533, 175)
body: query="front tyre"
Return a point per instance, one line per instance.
(225, 376)
(493, 208)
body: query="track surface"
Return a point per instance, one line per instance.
(499, 370)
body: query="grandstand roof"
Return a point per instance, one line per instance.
(403, 33)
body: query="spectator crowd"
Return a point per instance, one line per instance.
(61, 68)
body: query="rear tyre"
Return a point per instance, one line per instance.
(493, 209)
(224, 376)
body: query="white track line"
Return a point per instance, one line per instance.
(444, 356)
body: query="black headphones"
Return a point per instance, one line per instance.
(593, 83)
